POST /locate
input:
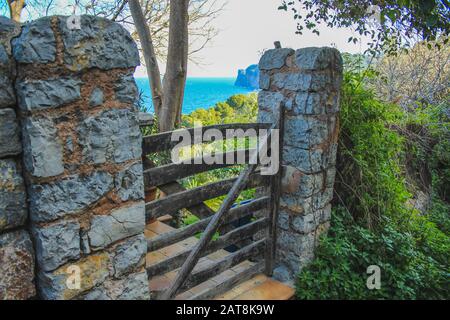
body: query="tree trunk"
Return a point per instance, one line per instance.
(149, 54)
(176, 68)
(185, 62)
(15, 9)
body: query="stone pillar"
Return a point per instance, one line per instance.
(82, 151)
(16, 250)
(307, 82)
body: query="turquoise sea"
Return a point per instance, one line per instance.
(200, 92)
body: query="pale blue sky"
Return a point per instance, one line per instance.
(250, 26)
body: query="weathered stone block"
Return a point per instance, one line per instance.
(97, 294)
(264, 81)
(112, 135)
(308, 131)
(7, 96)
(298, 183)
(325, 81)
(296, 243)
(9, 134)
(4, 58)
(265, 116)
(282, 274)
(322, 199)
(100, 43)
(51, 201)
(6, 27)
(8, 30)
(304, 206)
(295, 204)
(129, 256)
(304, 223)
(313, 103)
(307, 82)
(330, 177)
(274, 58)
(313, 59)
(44, 94)
(134, 287)
(57, 244)
(283, 220)
(129, 183)
(36, 43)
(120, 224)
(292, 81)
(126, 89)
(308, 161)
(57, 285)
(17, 266)
(96, 98)
(325, 214)
(293, 262)
(289, 104)
(270, 101)
(43, 152)
(331, 154)
(13, 205)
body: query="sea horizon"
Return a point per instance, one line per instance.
(200, 92)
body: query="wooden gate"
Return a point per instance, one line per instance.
(260, 249)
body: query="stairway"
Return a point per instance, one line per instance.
(244, 281)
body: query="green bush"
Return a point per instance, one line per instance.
(370, 178)
(237, 109)
(339, 270)
(372, 223)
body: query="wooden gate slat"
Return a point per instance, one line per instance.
(163, 141)
(174, 202)
(167, 173)
(241, 233)
(240, 184)
(177, 235)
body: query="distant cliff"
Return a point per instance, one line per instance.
(248, 78)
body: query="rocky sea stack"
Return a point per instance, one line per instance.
(248, 78)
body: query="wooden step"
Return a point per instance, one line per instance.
(242, 281)
(222, 282)
(260, 287)
(206, 290)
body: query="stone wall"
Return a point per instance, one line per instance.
(16, 249)
(306, 83)
(76, 100)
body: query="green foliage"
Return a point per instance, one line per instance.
(339, 270)
(429, 131)
(369, 180)
(439, 214)
(399, 22)
(237, 109)
(372, 223)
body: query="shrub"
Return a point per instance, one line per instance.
(339, 269)
(372, 223)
